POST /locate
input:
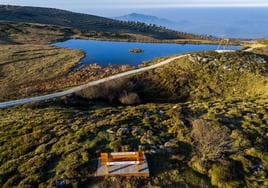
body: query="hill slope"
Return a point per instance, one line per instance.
(85, 22)
(26, 33)
(215, 137)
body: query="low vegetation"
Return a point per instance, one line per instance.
(263, 49)
(61, 141)
(28, 33)
(25, 64)
(264, 41)
(202, 122)
(202, 76)
(39, 33)
(34, 33)
(29, 70)
(27, 60)
(209, 75)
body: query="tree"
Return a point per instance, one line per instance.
(210, 141)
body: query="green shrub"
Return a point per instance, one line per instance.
(116, 145)
(223, 175)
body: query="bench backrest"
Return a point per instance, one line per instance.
(122, 156)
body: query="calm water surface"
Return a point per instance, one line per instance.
(116, 53)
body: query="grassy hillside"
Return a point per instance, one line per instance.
(30, 70)
(206, 76)
(25, 33)
(24, 64)
(43, 145)
(264, 41)
(87, 23)
(29, 33)
(203, 123)
(202, 76)
(262, 47)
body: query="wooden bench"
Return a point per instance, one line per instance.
(123, 164)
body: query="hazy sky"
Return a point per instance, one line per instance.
(69, 4)
(112, 8)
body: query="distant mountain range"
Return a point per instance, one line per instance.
(153, 20)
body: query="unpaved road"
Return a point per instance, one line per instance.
(93, 83)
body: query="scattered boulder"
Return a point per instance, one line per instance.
(161, 112)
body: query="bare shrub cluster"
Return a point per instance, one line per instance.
(211, 142)
(115, 90)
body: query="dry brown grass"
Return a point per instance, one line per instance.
(25, 33)
(29, 70)
(24, 64)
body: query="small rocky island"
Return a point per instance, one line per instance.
(136, 50)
